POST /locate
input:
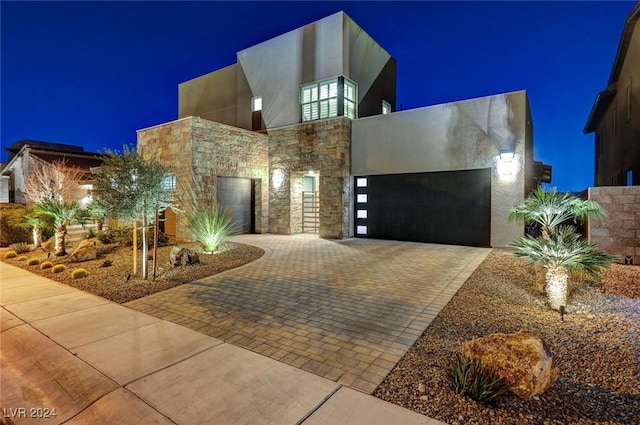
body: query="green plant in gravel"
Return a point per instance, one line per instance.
(550, 209)
(58, 268)
(39, 224)
(470, 378)
(79, 273)
(211, 227)
(46, 265)
(20, 247)
(33, 262)
(564, 250)
(10, 254)
(22, 258)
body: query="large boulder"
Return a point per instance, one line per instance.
(522, 359)
(183, 257)
(85, 251)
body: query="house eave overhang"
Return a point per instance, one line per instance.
(602, 102)
(625, 41)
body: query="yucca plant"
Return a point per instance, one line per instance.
(550, 209)
(559, 252)
(211, 227)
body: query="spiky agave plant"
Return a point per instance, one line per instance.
(211, 227)
(561, 251)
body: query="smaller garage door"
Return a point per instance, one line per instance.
(236, 195)
(451, 207)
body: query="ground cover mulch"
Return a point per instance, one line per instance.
(115, 281)
(597, 348)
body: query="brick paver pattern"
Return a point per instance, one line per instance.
(346, 310)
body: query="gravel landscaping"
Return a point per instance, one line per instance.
(114, 282)
(597, 349)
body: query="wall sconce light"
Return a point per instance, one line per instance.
(278, 178)
(507, 165)
(507, 154)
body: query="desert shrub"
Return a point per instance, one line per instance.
(107, 263)
(79, 274)
(123, 235)
(58, 268)
(91, 233)
(46, 265)
(472, 379)
(20, 247)
(33, 262)
(211, 227)
(10, 254)
(10, 229)
(22, 258)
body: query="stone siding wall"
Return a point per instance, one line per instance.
(323, 147)
(199, 151)
(619, 234)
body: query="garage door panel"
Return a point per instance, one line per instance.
(444, 207)
(235, 195)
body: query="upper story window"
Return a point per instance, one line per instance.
(329, 98)
(169, 183)
(386, 107)
(256, 104)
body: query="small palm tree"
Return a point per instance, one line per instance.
(62, 214)
(36, 222)
(551, 209)
(561, 251)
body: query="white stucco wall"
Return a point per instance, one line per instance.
(454, 136)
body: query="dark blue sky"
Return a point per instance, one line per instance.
(91, 73)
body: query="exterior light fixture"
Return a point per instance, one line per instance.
(278, 179)
(507, 165)
(507, 154)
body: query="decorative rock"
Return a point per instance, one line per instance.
(85, 251)
(421, 387)
(183, 257)
(522, 359)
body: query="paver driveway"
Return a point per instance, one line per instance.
(346, 310)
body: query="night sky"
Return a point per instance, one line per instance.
(92, 73)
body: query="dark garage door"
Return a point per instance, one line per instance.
(236, 195)
(452, 207)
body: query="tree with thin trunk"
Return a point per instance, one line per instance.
(52, 189)
(132, 188)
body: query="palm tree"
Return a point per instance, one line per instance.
(62, 214)
(561, 251)
(36, 222)
(551, 209)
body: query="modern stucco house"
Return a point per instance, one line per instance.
(25, 153)
(301, 135)
(615, 115)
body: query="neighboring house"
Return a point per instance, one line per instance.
(300, 136)
(615, 115)
(25, 153)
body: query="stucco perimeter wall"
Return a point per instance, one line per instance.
(322, 147)
(199, 151)
(618, 234)
(454, 136)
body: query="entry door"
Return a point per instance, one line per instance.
(236, 195)
(452, 207)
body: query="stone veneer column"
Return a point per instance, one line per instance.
(322, 146)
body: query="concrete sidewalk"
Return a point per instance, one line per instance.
(71, 357)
